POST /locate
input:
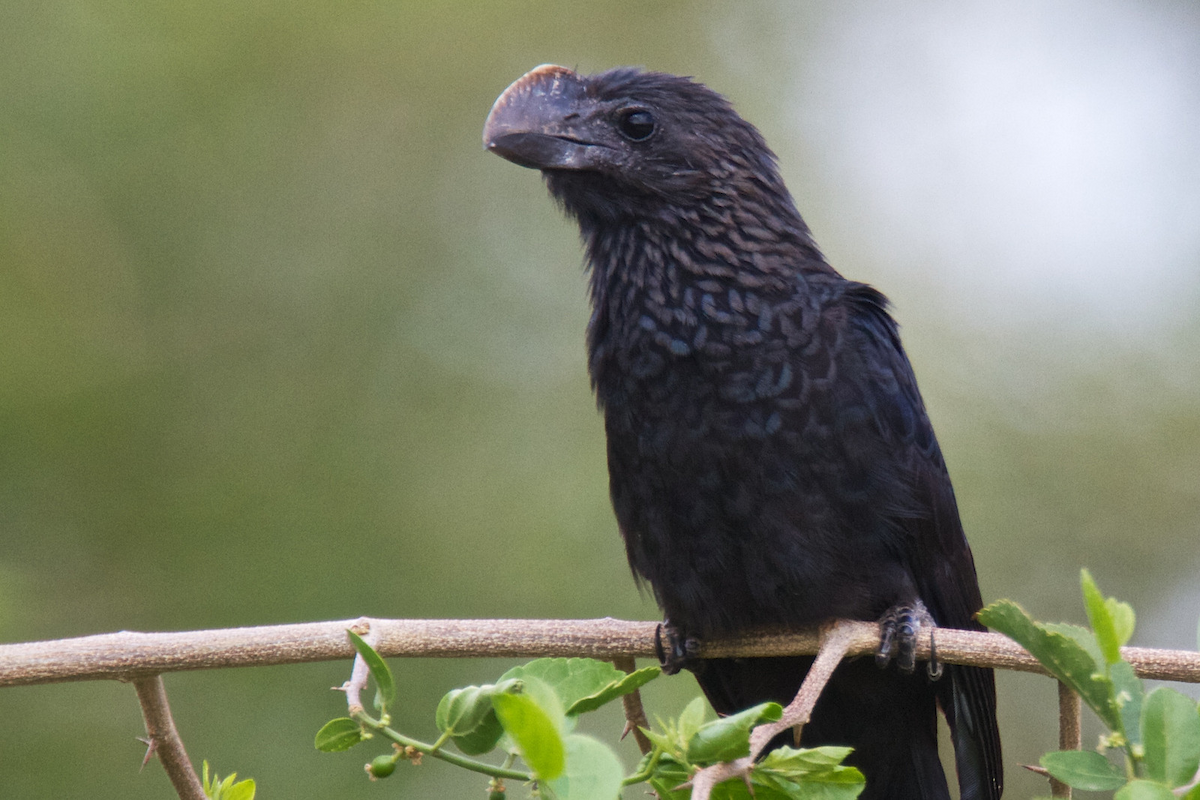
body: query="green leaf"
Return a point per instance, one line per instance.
(1144, 790)
(783, 774)
(583, 684)
(815, 773)
(628, 683)
(1128, 694)
(1193, 793)
(659, 740)
(462, 710)
(735, 789)
(690, 720)
(844, 783)
(667, 777)
(242, 790)
(385, 685)
(1070, 653)
(1080, 636)
(1123, 619)
(338, 735)
(483, 739)
(1084, 769)
(570, 678)
(468, 716)
(535, 729)
(217, 789)
(815, 759)
(1171, 737)
(729, 737)
(592, 772)
(670, 773)
(1101, 619)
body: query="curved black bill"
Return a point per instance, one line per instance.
(534, 122)
(539, 150)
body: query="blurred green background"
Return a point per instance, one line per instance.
(279, 342)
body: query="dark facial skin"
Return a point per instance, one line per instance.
(770, 459)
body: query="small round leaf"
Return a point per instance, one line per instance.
(338, 735)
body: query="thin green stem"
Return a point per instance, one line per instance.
(423, 747)
(445, 737)
(644, 775)
(1133, 764)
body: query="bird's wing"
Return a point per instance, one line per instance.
(937, 552)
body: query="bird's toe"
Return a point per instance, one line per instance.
(675, 649)
(899, 628)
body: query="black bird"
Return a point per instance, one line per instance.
(770, 459)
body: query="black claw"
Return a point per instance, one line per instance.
(675, 651)
(906, 659)
(887, 639)
(934, 667)
(899, 630)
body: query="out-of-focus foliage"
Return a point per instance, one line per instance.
(1155, 734)
(279, 342)
(229, 788)
(528, 717)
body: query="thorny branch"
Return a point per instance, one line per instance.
(635, 715)
(1070, 737)
(162, 739)
(128, 655)
(359, 672)
(142, 657)
(835, 643)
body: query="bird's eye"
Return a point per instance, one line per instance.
(637, 124)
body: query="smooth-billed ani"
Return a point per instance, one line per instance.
(771, 462)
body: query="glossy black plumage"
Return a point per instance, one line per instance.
(770, 458)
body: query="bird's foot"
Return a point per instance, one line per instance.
(675, 650)
(899, 628)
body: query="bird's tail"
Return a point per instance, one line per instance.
(890, 719)
(968, 699)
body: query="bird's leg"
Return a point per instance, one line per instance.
(899, 628)
(675, 650)
(934, 667)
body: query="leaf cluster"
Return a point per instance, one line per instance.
(1157, 732)
(529, 715)
(689, 743)
(228, 789)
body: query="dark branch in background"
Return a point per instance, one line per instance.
(163, 740)
(635, 715)
(129, 656)
(1070, 735)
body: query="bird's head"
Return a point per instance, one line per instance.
(627, 143)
